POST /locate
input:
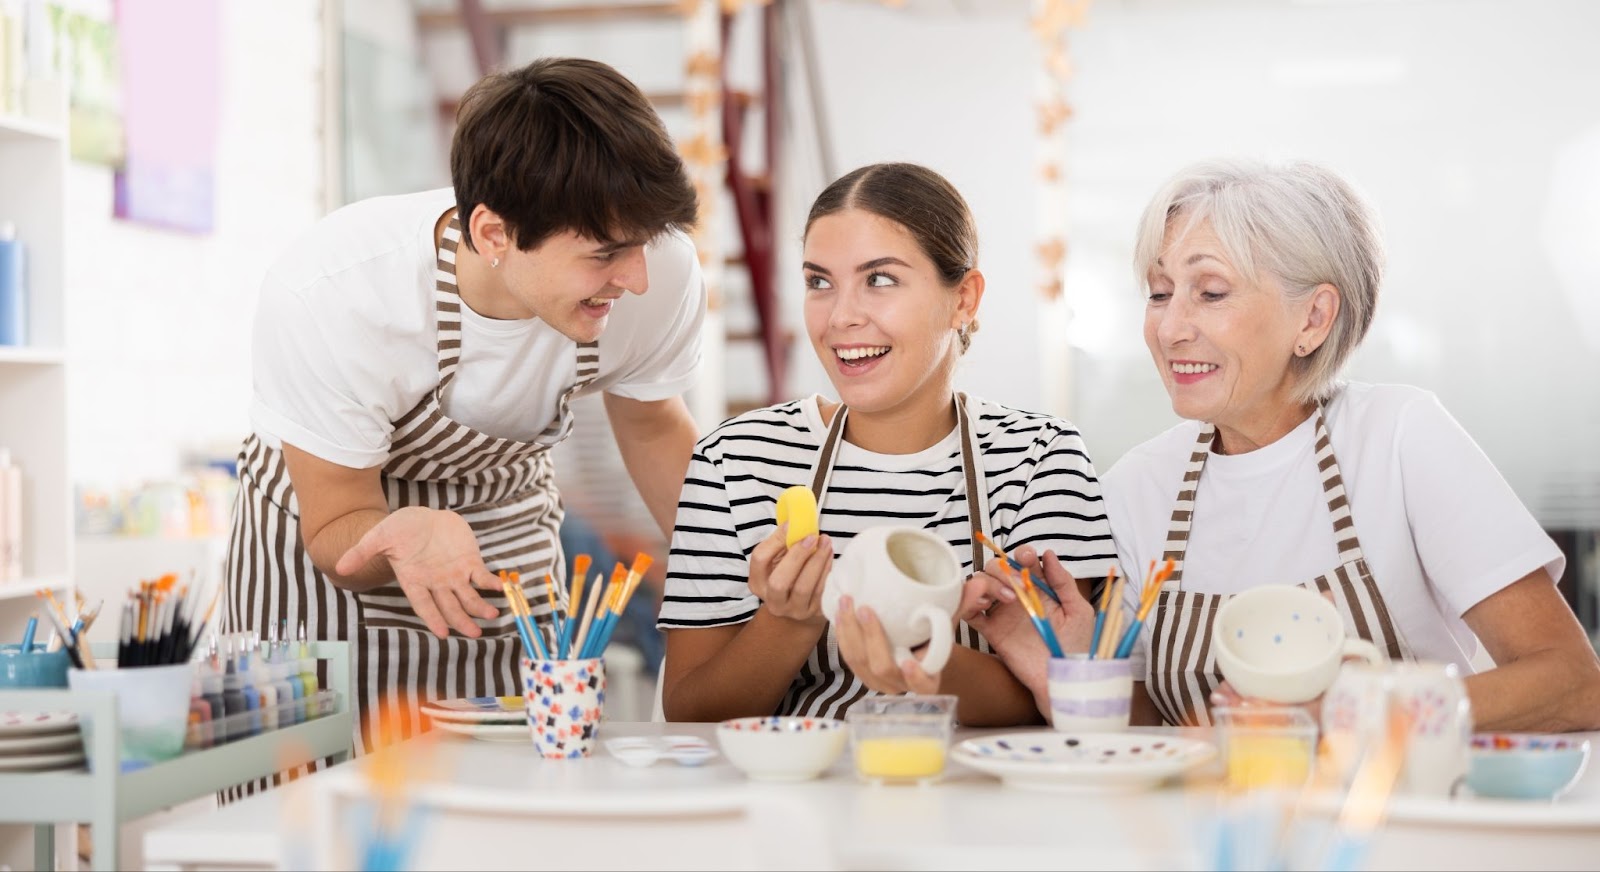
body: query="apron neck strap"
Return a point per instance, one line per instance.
(972, 472)
(1344, 529)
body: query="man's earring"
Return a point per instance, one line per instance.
(494, 263)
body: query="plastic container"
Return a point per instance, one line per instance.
(901, 739)
(1266, 746)
(152, 708)
(39, 668)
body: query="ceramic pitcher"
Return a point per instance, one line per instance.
(1355, 712)
(911, 579)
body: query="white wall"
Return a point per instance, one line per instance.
(158, 322)
(1474, 128)
(950, 86)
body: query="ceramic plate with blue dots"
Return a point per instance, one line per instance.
(1083, 762)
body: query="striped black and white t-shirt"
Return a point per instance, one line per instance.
(1042, 491)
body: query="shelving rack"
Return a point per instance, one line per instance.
(33, 377)
(106, 797)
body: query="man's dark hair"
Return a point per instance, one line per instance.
(567, 144)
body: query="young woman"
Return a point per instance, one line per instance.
(892, 298)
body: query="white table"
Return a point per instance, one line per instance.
(967, 821)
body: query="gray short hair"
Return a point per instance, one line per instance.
(1298, 223)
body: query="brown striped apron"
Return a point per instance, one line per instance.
(505, 490)
(1182, 663)
(826, 687)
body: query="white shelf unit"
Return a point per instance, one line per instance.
(33, 379)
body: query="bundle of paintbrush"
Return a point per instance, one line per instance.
(159, 625)
(1114, 635)
(68, 632)
(577, 627)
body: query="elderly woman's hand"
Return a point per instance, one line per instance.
(1008, 628)
(865, 648)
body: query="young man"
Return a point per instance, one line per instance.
(414, 360)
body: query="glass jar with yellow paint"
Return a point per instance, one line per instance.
(901, 739)
(1266, 746)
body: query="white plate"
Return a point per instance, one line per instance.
(35, 723)
(1082, 762)
(488, 732)
(474, 709)
(1473, 811)
(41, 762)
(25, 745)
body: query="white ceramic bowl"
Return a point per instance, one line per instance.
(1283, 644)
(1526, 765)
(782, 748)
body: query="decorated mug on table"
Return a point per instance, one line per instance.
(1433, 699)
(911, 580)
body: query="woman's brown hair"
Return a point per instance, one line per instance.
(921, 201)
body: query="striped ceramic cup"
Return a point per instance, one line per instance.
(1090, 696)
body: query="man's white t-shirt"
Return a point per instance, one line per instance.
(1440, 528)
(346, 341)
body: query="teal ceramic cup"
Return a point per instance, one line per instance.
(36, 668)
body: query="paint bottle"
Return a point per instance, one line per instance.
(211, 692)
(291, 705)
(247, 686)
(286, 663)
(261, 677)
(13, 288)
(233, 704)
(308, 675)
(199, 716)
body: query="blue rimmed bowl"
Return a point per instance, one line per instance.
(1525, 765)
(782, 748)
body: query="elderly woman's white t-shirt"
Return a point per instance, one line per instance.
(346, 340)
(1440, 527)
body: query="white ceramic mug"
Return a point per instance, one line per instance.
(1283, 643)
(911, 580)
(1355, 714)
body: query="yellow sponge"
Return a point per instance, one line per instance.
(798, 507)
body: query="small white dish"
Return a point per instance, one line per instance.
(488, 732)
(641, 751)
(1083, 762)
(477, 709)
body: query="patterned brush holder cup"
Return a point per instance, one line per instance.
(1090, 696)
(564, 699)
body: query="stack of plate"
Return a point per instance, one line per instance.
(39, 741)
(490, 718)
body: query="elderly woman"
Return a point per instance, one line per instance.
(1262, 281)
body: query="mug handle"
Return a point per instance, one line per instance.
(1365, 650)
(939, 644)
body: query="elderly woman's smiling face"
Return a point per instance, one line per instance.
(1223, 341)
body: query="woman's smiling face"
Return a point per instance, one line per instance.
(878, 316)
(1222, 342)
